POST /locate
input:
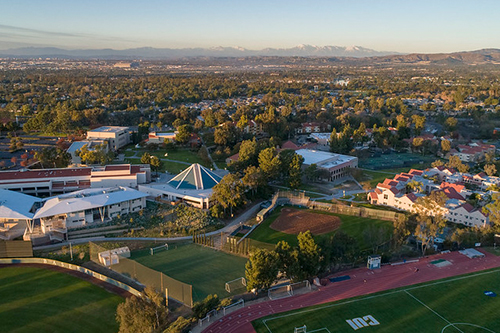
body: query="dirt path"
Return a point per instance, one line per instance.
(388, 277)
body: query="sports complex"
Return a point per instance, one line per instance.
(441, 293)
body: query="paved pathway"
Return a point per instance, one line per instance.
(388, 277)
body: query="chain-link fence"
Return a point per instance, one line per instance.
(177, 290)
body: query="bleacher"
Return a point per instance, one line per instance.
(16, 249)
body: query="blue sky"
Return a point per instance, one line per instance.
(384, 25)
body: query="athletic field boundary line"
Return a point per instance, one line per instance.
(433, 311)
(376, 296)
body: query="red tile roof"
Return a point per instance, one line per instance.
(45, 173)
(416, 172)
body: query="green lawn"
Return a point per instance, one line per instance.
(429, 307)
(204, 268)
(171, 167)
(40, 300)
(351, 225)
(183, 155)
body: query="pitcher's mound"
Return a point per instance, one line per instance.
(293, 221)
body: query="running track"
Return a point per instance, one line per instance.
(388, 277)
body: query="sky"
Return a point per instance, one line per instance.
(383, 25)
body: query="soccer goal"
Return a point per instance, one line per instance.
(301, 329)
(157, 249)
(235, 284)
(287, 290)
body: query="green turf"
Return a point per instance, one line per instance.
(172, 167)
(41, 300)
(182, 155)
(351, 225)
(206, 269)
(425, 308)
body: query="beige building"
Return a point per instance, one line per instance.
(117, 136)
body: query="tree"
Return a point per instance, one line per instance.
(311, 172)
(261, 269)
(183, 133)
(445, 146)
(269, 163)
(308, 256)
(253, 178)
(437, 163)
(375, 236)
(295, 172)
(451, 123)
(419, 122)
(51, 157)
(400, 230)
(431, 218)
(146, 158)
(143, 314)
(248, 152)
(229, 193)
(490, 169)
(456, 163)
(287, 259)
(414, 185)
(334, 141)
(156, 163)
(98, 154)
(493, 209)
(226, 134)
(417, 143)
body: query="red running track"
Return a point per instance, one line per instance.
(388, 277)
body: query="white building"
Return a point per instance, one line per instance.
(16, 213)
(192, 186)
(87, 207)
(117, 136)
(322, 138)
(338, 165)
(155, 137)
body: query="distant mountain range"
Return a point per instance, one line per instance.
(165, 53)
(348, 55)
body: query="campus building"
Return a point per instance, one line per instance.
(336, 164)
(192, 186)
(44, 182)
(117, 136)
(397, 193)
(83, 208)
(16, 213)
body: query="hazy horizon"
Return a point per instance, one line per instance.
(393, 26)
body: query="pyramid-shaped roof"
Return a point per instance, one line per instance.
(196, 177)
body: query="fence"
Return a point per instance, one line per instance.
(16, 249)
(243, 247)
(299, 199)
(73, 268)
(177, 290)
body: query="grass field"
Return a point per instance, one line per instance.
(41, 300)
(351, 225)
(206, 269)
(453, 305)
(171, 167)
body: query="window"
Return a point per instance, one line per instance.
(386, 196)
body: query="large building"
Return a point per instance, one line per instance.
(192, 186)
(16, 213)
(117, 136)
(84, 208)
(44, 182)
(336, 164)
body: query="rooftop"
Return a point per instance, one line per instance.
(111, 129)
(196, 177)
(87, 199)
(323, 159)
(15, 205)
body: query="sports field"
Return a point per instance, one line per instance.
(206, 269)
(457, 304)
(351, 225)
(42, 300)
